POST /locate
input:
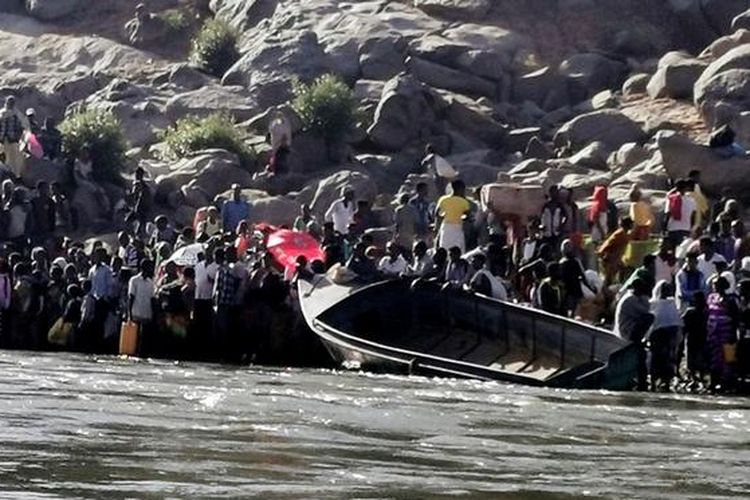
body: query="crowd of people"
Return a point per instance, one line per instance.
(676, 283)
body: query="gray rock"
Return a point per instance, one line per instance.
(723, 97)
(330, 188)
(611, 127)
(636, 84)
(269, 65)
(204, 101)
(680, 155)
(676, 80)
(722, 45)
(406, 112)
(243, 14)
(519, 138)
(741, 21)
(628, 156)
(276, 210)
(474, 121)
(50, 10)
(531, 166)
(591, 73)
(455, 9)
(737, 58)
(593, 156)
(537, 149)
(213, 171)
(187, 76)
(382, 58)
(443, 77)
(545, 87)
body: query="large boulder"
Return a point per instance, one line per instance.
(331, 188)
(722, 45)
(609, 126)
(277, 210)
(243, 14)
(722, 98)
(50, 10)
(737, 58)
(545, 87)
(269, 66)
(210, 99)
(474, 121)
(680, 155)
(675, 77)
(406, 112)
(636, 84)
(590, 73)
(382, 58)
(443, 77)
(212, 171)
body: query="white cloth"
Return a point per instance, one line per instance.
(688, 208)
(142, 291)
(341, 215)
(708, 266)
(452, 235)
(205, 275)
(663, 271)
(393, 267)
(498, 289)
(665, 311)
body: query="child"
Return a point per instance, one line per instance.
(695, 319)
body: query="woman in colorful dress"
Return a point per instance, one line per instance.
(723, 314)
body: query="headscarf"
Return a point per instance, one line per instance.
(599, 204)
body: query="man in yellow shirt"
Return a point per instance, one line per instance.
(450, 211)
(641, 215)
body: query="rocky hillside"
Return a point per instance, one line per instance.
(576, 92)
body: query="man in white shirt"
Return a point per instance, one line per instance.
(708, 259)
(393, 264)
(141, 294)
(341, 212)
(484, 282)
(678, 226)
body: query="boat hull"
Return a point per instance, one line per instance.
(361, 333)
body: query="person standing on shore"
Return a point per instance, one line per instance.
(341, 212)
(633, 318)
(450, 211)
(12, 126)
(679, 213)
(235, 210)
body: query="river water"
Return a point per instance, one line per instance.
(73, 426)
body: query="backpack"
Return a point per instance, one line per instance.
(675, 206)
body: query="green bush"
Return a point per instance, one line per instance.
(215, 47)
(326, 106)
(101, 133)
(216, 131)
(175, 20)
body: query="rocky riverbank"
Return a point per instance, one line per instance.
(572, 92)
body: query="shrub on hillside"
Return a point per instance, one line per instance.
(216, 131)
(215, 47)
(326, 106)
(101, 133)
(175, 20)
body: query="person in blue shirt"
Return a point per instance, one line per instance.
(235, 210)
